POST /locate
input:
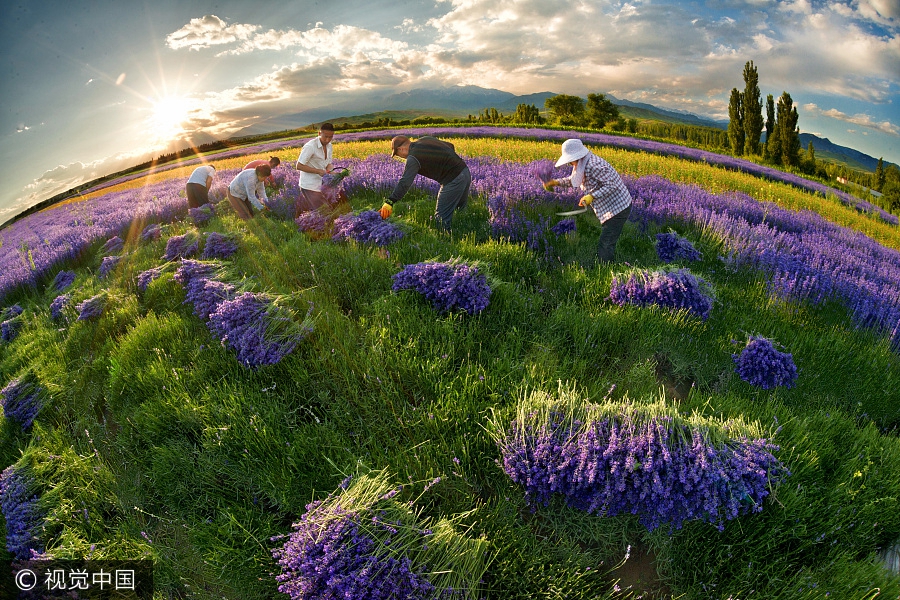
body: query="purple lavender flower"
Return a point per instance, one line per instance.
(202, 214)
(113, 245)
(21, 401)
(658, 468)
(144, 278)
(63, 280)
(9, 329)
(366, 545)
(11, 323)
(219, 246)
(107, 265)
(510, 223)
(91, 308)
(192, 269)
(11, 312)
(151, 232)
(58, 304)
(674, 289)
(256, 329)
(207, 294)
(24, 518)
(366, 227)
(182, 246)
(563, 227)
(312, 221)
(542, 169)
(448, 286)
(671, 247)
(761, 365)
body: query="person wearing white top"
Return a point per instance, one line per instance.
(248, 191)
(314, 161)
(198, 184)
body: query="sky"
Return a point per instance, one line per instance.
(91, 88)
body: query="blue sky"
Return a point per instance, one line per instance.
(92, 88)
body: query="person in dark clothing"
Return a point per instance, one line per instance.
(436, 160)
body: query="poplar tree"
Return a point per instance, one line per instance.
(787, 131)
(811, 158)
(751, 104)
(879, 175)
(770, 122)
(736, 123)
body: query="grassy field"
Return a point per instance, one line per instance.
(154, 441)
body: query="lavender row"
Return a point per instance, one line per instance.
(805, 256)
(661, 148)
(37, 243)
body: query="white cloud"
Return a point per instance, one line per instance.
(860, 119)
(880, 11)
(65, 177)
(208, 31)
(660, 52)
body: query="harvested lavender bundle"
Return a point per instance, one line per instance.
(761, 365)
(449, 286)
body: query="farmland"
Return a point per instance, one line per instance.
(143, 420)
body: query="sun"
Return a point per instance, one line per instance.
(167, 117)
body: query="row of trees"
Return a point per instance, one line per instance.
(564, 110)
(745, 123)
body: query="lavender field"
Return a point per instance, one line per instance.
(348, 407)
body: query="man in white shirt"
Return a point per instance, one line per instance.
(248, 191)
(315, 161)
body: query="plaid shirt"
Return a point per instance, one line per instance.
(603, 183)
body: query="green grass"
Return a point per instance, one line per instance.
(154, 427)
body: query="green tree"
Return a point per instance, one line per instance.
(787, 131)
(751, 106)
(770, 123)
(810, 166)
(879, 175)
(527, 113)
(566, 109)
(600, 111)
(736, 123)
(891, 196)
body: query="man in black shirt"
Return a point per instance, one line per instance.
(437, 160)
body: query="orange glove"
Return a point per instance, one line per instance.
(549, 185)
(387, 209)
(586, 200)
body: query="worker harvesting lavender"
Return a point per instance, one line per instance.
(198, 184)
(603, 190)
(313, 163)
(436, 160)
(247, 191)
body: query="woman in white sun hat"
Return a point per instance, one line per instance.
(603, 191)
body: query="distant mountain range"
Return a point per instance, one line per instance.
(459, 102)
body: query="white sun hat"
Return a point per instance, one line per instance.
(571, 150)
